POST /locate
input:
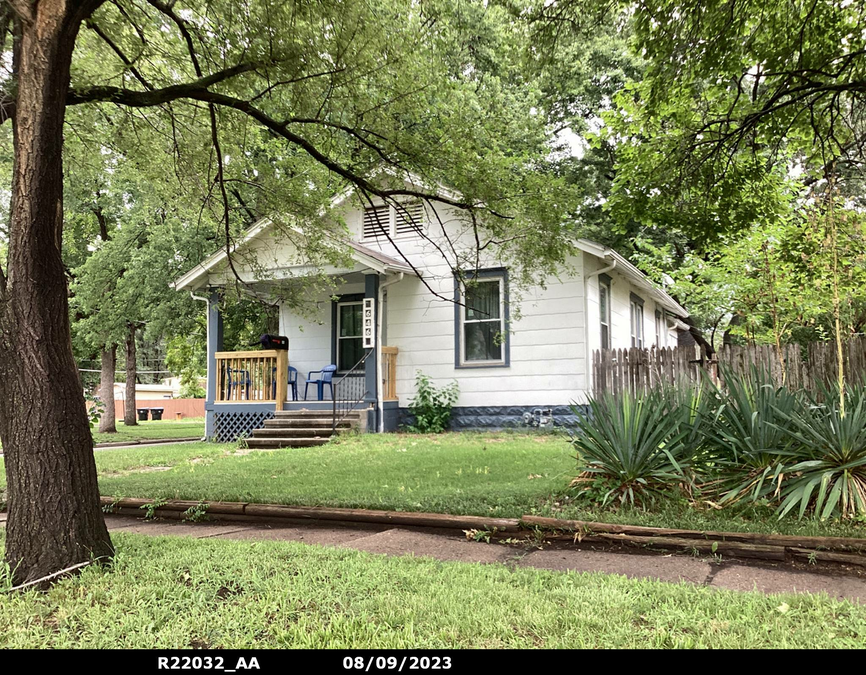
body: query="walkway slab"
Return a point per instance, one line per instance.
(664, 568)
(307, 534)
(448, 547)
(442, 547)
(159, 528)
(746, 578)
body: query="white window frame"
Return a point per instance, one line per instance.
(499, 279)
(637, 321)
(604, 285)
(392, 222)
(359, 337)
(661, 332)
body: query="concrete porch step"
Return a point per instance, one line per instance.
(306, 422)
(293, 432)
(297, 442)
(324, 412)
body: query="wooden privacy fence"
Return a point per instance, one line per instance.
(187, 407)
(618, 370)
(798, 366)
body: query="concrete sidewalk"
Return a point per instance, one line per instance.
(448, 546)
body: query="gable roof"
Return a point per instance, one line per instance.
(197, 276)
(368, 257)
(634, 275)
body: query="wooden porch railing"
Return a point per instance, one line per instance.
(389, 373)
(260, 376)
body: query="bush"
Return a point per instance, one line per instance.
(826, 465)
(759, 443)
(431, 407)
(633, 449)
(95, 407)
(750, 435)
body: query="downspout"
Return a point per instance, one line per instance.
(380, 404)
(588, 352)
(206, 301)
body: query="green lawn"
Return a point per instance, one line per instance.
(150, 430)
(493, 474)
(486, 474)
(175, 592)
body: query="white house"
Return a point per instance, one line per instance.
(400, 290)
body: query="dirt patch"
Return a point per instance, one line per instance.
(138, 469)
(241, 452)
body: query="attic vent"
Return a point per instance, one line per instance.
(377, 221)
(408, 217)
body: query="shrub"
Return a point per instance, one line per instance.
(431, 407)
(95, 407)
(826, 465)
(633, 449)
(750, 435)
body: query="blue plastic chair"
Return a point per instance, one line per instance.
(237, 377)
(326, 375)
(293, 382)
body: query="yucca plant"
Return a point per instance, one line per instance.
(635, 448)
(750, 435)
(826, 465)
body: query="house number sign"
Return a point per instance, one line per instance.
(369, 323)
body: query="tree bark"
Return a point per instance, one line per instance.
(107, 424)
(54, 519)
(129, 418)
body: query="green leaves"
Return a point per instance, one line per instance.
(633, 449)
(751, 442)
(431, 406)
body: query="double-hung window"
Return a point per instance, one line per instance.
(350, 347)
(482, 331)
(660, 328)
(604, 309)
(636, 311)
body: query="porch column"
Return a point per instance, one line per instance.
(214, 345)
(371, 290)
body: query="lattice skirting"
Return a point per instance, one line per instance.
(229, 426)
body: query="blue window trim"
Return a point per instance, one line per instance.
(502, 273)
(349, 297)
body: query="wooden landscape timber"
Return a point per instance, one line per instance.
(755, 545)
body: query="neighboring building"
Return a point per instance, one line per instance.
(541, 360)
(146, 391)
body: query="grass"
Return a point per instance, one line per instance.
(150, 430)
(492, 474)
(486, 474)
(173, 592)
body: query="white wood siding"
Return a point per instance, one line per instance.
(551, 342)
(621, 289)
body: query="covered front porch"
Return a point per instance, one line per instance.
(341, 352)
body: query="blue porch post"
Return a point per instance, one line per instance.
(214, 345)
(371, 290)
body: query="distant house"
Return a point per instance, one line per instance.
(145, 391)
(385, 314)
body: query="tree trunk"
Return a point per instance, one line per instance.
(54, 518)
(129, 418)
(107, 425)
